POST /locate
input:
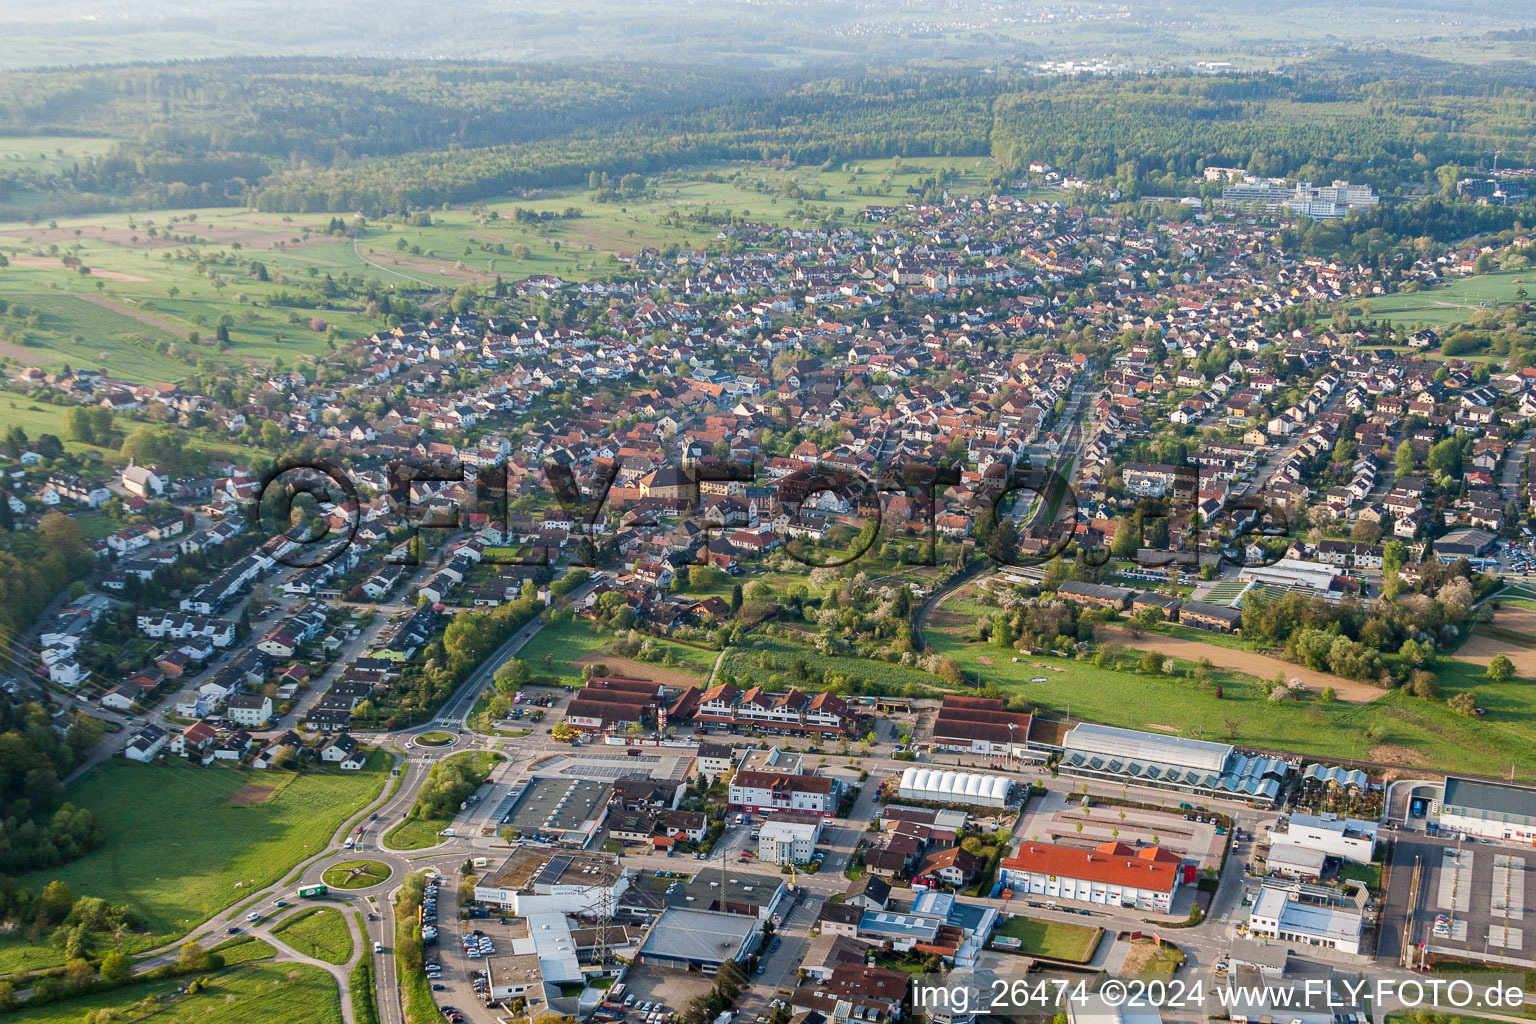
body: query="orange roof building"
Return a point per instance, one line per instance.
(1112, 874)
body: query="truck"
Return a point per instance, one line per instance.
(312, 891)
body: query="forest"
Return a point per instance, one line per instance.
(298, 135)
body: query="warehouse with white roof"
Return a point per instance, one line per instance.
(947, 787)
(1170, 762)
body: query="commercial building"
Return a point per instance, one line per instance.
(1314, 578)
(955, 787)
(1349, 839)
(739, 889)
(538, 880)
(783, 839)
(1308, 915)
(1111, 874)
(1493, 810)
(570, 812)
(698, 940)
(1170, 762)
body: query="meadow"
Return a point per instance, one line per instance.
(1395, 728)
(560, 648)
(1451, 304)
(185, 842)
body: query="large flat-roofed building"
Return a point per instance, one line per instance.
(737, 890)
(570, 812)
(1111, 874)
(1349, 839)
(698, 940)
(539, 880)
(1170, 762)
(1494, 810)
(1307, 915)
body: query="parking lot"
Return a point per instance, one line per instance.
(1473, 899)
(1060, 818)
(673, 990)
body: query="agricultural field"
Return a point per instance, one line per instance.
(320, 932)
(186, 842)
(287, 993)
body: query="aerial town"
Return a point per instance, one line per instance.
(1005, 576)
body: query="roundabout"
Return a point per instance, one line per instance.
(435, 739)
(357, 874)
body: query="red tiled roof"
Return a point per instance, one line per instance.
(1112, 863)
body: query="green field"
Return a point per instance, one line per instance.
(1071, 942)
(255, 994)
(356, 874)
(49, 152)
(1412, 732)
(320, 932)
(556, 647)
(1452, 303)
(186, 842)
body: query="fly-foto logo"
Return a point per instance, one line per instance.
(1040, 504)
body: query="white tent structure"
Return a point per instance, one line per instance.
(955, 787)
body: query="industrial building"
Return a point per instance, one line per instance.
(1170, 762)
(1308, 915)
(539, 880)
(701, 940)
(1493, 810)
(955, 787)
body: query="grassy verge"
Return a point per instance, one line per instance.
(416, 832)
(410, 960)
(243, 949)
(365, 1005)
(321, 933)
